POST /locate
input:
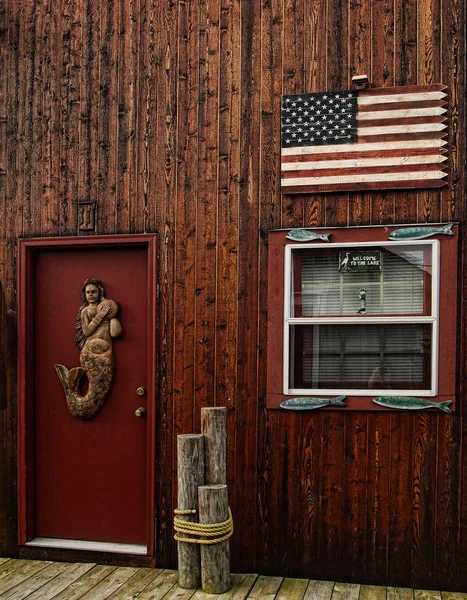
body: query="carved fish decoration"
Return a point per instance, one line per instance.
(411, 403)
(419, 233)
(312, 403)
(304, 235)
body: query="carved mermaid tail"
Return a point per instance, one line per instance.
(97, 363)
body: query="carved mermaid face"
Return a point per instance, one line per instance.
(92, 293)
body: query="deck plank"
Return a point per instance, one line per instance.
(10, 566)
(241, 587)
(136, 584)
(265, 588)
(61, 582)
(292, 589)
(345, 591)
(453, 595)
(397, 593)
(86, 582)
(426, 595)
(372, 592)
(31, 584)
(4, 560)
(110, 584)
(161, 586)
(25, 570)
(178, 593)
(319, 590)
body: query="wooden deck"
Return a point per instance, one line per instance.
(43, 580)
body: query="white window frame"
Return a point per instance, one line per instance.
(361, 319)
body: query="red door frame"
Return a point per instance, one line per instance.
(27, 250)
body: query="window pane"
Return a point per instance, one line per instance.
(400, 284)
(360, 356)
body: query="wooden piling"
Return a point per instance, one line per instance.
(214, 430)
(215, 558)
(190, 455)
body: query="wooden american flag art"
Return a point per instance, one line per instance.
(372, 139)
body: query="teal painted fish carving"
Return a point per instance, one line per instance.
(304, 235)
(312, 403)
(97, 326)
(419, 233)
(411, 403)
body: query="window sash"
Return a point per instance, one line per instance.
(432, 318)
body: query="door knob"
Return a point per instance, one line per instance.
(141, 391)
(140, 412)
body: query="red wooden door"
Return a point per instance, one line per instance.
(90, 480)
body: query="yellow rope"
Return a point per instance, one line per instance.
(213, 533)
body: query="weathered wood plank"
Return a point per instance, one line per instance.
(400, 496)
(110, 584)
(292, 589)
(356, 488)
(426, 595)
(34, 582)
(265, 588)
(127, 120)
(61, 582)
(136, 584)
(372, 592)
(246, 412)
(396, 593)
(241, 586)
(9, 566)
(452, 596)
(162, 585)
(69, 106)
(108, 117)
(345, 591)
(378, 474)
(88, 581)
(331, 494)
(26, 569)
(164, 170)
(89, 101)
(319, 590)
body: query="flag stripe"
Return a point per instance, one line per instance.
(423, 114)
(362, 108)
(431, 142)
(407, 89)
(363, 162)
(367, 177)
(380, 154)
(364, 186)
(417, 97)
(368, 130)
(321, 174)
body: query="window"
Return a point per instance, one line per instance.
(362, 316)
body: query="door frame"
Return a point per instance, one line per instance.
(28, 249)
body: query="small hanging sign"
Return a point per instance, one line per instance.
(360, 261)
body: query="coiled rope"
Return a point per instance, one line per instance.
(208, 533)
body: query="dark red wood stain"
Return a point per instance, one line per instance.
(167, 115)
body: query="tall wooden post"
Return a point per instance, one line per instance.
(190, 455)
(214, 430)
(215, 558)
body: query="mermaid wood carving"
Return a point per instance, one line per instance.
(96, 326)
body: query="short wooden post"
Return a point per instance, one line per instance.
(215, 558)
(190, 455)
(214, 430)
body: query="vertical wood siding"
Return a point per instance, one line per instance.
(167, 114)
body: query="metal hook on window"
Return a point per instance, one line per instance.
(362, 298)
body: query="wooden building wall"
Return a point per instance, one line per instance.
(167, 114)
